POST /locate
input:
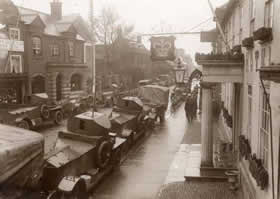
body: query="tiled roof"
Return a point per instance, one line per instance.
(56, 27)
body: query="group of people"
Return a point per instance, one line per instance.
(191, 106)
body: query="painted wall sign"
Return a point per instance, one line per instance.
(162, 48)
(10, 45)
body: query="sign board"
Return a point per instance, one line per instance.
(162, 48)
(11, 45)
(209, 36)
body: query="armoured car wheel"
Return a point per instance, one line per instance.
(103, 154)
(45, 112)
(24, 124)
(58, 117)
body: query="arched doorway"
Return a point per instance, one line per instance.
(38, 84)
(58, 87)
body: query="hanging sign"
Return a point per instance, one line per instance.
(162, 48)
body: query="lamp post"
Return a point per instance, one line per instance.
(179, 72)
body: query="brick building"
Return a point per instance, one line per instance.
(57, 55)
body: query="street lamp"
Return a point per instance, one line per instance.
(179, 71)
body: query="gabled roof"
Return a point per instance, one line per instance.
(57, 27)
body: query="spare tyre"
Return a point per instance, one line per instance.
(103, 154)
(45, 112)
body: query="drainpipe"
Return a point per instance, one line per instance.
(271, 139)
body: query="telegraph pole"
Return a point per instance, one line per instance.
(91, 19)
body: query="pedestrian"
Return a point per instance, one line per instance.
(188, 107)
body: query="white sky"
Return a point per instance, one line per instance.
(147, 15)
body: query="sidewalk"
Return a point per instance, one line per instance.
(185, 179)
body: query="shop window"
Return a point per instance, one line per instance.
(71, 48)
(264, 129)
(36, 45)
(54, 50)
(38, 84)
(76, 82)
(15, 64)
(14, 33)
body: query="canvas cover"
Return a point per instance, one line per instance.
(154, 94)
(21, 156)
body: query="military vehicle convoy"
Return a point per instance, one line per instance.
(81, 157)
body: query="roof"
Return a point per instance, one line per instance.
(134, 99)
(57, 27)
(122, 118)
(98, 118)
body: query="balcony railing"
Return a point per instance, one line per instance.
(263, 34)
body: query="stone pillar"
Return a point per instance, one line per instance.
(206, 126)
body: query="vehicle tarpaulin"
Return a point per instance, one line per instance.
(154, 94)
(21, 156)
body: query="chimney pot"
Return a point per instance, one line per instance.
(56, 9)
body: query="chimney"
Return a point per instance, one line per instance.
(56, 9)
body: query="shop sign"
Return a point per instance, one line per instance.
(162, 48)
(11, 45)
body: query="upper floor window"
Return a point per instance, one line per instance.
(268, 14)
(14, 33)
(264, 128)
(252, 27)
(36, 45)
(263, 55)
(249, 111)
(54, 50)
(252, 9)
(71, 48)
(15, 64)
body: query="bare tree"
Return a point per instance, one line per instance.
(108, 27)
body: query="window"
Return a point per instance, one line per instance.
(263, 57)
(269, 55)
(268, 14)
(251, 64)
(14, 34)
(252, 27)
(240, 35)
(87, 52)
(75, 82)
(36, 45)
(54, 50)
(257, 59)
(264, 129)
(249, 116)
(252, 9)
(71, 48)
(247, 61)
(15, 64)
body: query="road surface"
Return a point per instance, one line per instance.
(146, 167)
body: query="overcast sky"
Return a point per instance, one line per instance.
(147, 15)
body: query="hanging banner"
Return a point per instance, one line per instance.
(162, 48)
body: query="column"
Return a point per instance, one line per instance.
(206, 126)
